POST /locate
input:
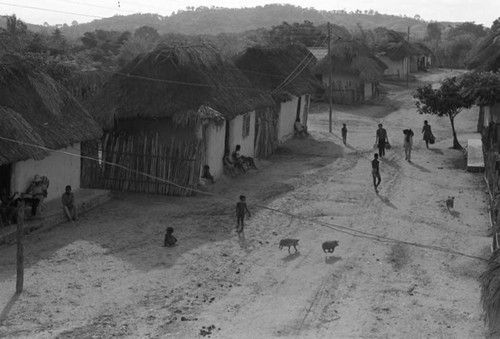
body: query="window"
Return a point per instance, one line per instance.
(246, 125)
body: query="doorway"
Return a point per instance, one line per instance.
(5, 176)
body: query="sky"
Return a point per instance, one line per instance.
(66, 11)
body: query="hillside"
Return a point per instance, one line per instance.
(204, 20)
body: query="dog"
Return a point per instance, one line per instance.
(289, 243)
(329, 246)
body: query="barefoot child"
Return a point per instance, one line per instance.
(241, 209)
(170, 240)
(344, 133)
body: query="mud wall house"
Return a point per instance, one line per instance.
(355, 73)
(285, 72)
(171, 112)
(41, 129)
(398, 57)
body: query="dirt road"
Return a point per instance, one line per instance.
(108, 276)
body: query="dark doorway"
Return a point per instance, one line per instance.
(5, 175)
(298, 108)
(226, 142)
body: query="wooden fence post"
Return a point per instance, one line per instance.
(20, 254)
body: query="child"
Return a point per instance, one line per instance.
(68, 202)
(241, 208)
(170, 240)
(344, 133)
(207, 175)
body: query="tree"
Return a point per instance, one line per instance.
(482, 88)
(447, 100)
(496, 26)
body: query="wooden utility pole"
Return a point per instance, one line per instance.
(408, 64)
(330, 89)
(20, 250)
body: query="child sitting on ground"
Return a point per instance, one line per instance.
(170, 240)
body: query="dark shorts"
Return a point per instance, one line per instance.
(375, 173)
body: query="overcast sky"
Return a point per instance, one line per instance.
(66, 11)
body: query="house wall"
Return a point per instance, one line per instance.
(395, 69)
(61, 170)
(287, 117)
(236, 135)
(368, 90)
(346, 89)
(215, 136)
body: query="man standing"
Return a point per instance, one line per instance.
(376, 172)
(381, 140)
(68, 202)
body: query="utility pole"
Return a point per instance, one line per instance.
(330, 89)
(20, 249)
(409, 58)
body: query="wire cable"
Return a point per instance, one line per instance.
(342, 229)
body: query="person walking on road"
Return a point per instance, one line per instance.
(426, 130)
(408, 143)
(376, 172)
(344, 133)
(381, 140)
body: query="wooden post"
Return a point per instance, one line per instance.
(330, 99)
(20, 254)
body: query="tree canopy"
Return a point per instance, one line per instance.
(447, 100)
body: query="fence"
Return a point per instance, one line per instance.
(126, 157)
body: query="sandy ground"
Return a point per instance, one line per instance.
(108, 275)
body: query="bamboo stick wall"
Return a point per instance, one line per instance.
(175, 161)
(266, 137)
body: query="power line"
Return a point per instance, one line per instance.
(342, 229)
(53, 10)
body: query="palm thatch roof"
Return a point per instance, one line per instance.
(35, 109)
(486, 55)
(399, 50)
(350, 57)
(175, 82)
(283, 70)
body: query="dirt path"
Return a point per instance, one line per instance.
(108, 276)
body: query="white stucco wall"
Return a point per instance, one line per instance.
(215, 139)
(287, 116)
(236, 135)
(61, 169)
(395, 68)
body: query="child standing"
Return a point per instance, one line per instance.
(170, 240)
(344, 133)
(241, 209)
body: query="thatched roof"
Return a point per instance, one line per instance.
(486, 55)
(176, 81)
(35, 109)
(399, 50)
(283, 70)
(350, 57)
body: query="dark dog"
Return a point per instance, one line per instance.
(329, 246)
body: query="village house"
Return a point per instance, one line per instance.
(41, 130)
(355, 72)
(285, 72)
(168, 114)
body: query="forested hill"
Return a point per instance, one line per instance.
(204, 20)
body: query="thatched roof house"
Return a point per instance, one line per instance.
(285, 71)
(350, 57)
(34, 109)
(486, 55)
(175, 82)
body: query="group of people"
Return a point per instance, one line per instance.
(382, 141)
(237, 161)
(33, 197)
